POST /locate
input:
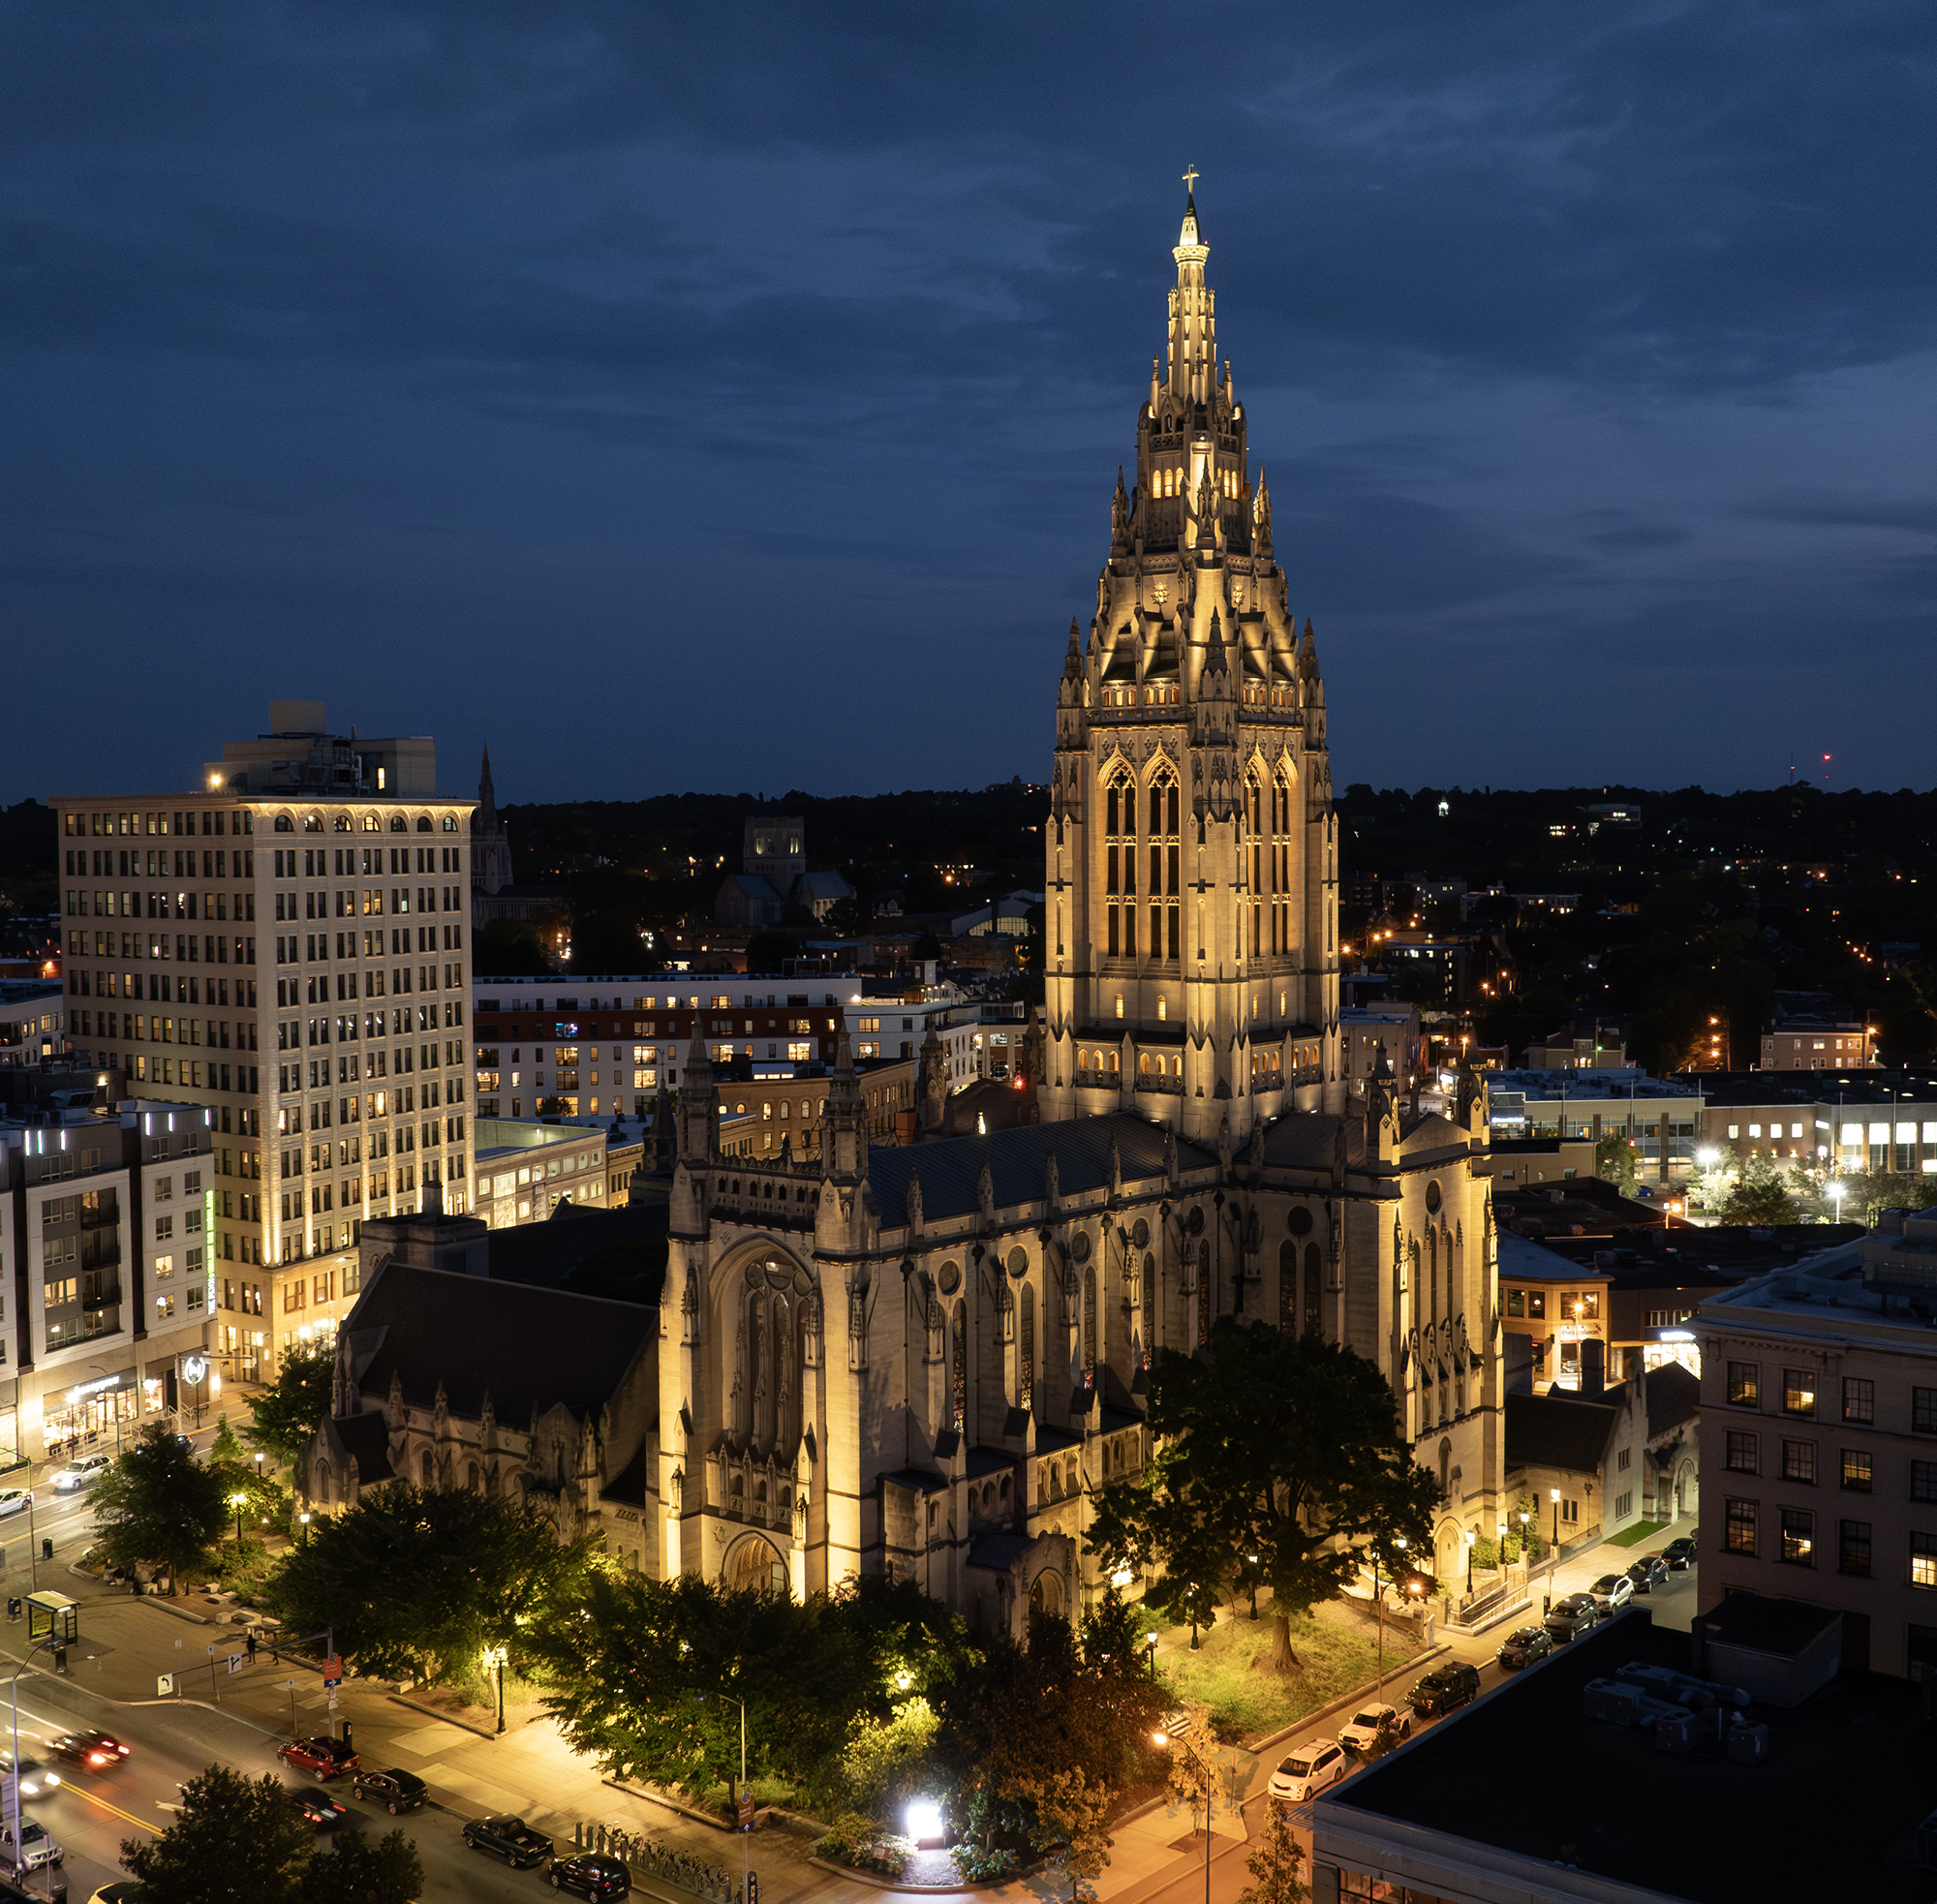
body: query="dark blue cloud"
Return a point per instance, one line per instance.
(648, 388)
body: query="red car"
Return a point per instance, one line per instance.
(322, 1757)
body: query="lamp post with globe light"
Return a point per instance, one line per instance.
(1708, 1158)
(1836, 1191)
(1200, 1775)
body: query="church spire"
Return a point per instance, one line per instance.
(1193, 320)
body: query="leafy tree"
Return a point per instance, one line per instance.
(1758, 1195)
(1020, 1715)
(508, 948)
(224, 1451)
(925, 946)
(157, 1506)
(290, 1412)
(418, 1583)
(1283, 1446)
(1071, 1813)
(1274, 1862)
(850, 917)
(884, 1761)
(636, 1674)
(355, 1871)
(1615, 1162)
(232, 1836)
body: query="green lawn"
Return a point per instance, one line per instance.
(1641, 1530)
(1231, 1675)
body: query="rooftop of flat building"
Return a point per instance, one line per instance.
(1833, 1810)
(1727, 1090)
(1608, 1082)
(1871, 1288)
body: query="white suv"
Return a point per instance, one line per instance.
(1612, 1592)
(35, 1848)
(1305, 1771)
(1370, 1722)
(82, 1472)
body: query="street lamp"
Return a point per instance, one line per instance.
(304, 1536)
(1251, 1561)
(494, 1656)
(1471, 1537)
(741, 1794)
(1836, 1190)
(236, 1500)
(1150, 1643)
(1200, 1772)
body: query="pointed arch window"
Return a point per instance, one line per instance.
(1287, 1289)
(1315, 1271)
(1025, 1353)
(958, 1373)
(1090, 1328)
(1203, 1293)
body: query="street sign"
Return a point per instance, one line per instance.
(330, 1685)
(333, 1702)
(332, 1669)
(237, 1661)
(746, 1811)
(165, 1684)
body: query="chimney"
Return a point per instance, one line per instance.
(1593, 1368)
(433, 1206)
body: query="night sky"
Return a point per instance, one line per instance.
(730, 397)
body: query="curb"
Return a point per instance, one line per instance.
(431, 1712)
(692, 1812)
(893, 1884)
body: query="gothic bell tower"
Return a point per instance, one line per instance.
(1192, 934)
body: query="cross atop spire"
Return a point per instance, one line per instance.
(1190, 179)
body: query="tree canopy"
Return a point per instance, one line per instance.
(291, 1410)
(1759, 1195)
(232, 1836)
(416, 1584)
(1286, 1446)
(158, 1507)
(636, 1674)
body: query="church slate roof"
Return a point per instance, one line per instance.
(528, 1348)
(1309, 1140)
(1559, 1431)
(1673, 1396)
(367, 1438)
(951, 1169)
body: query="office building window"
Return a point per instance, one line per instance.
(1923, 1559)
(1741, 1452)
(1798, 1461)
(1799, 1391)
(1857, 1476)
(1859, 1399)
(1852, 1548)
(1923, 1411)
(1923, 1481)
(1739, 1535)
(1797, 1535)
(1745, 1384)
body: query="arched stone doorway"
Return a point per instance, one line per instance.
(755, 1561)
(1684, 1489)
(1046, 1592)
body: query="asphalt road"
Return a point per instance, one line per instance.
(91, 1817)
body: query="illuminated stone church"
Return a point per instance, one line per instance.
(927, 1359)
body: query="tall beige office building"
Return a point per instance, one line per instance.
(284, 944)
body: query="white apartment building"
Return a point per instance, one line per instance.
(300, 970)
(105, 1224)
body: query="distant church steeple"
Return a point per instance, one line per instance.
(490, 847)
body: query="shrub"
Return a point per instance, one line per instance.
(865, 1846)
(984, 1867)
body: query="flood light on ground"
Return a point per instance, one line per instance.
(924, 1819)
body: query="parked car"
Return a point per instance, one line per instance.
(591, 1876)
(509, 1838)
(318, 1808)
(1523, 1645)
(1305, 1771)
(16, 1500)
(394, 1786)
(1612, 1593)
(88, 1751)
(1569, 1618)
(1444, 1688)
(1679, 1553)
(83, 1471)
(1370, 1722)
(123, 1890)
(1647, 1573)
(325, 1757)
(35, 1849)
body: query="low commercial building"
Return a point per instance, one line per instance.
(1819, 1442)
(1662, 1116)
(525, 1169)
(33, 1022)
(1582, 1457)
(1849, 1121)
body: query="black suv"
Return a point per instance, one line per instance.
(1571, 1617)
(1444, 1688)
(400, 1789)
